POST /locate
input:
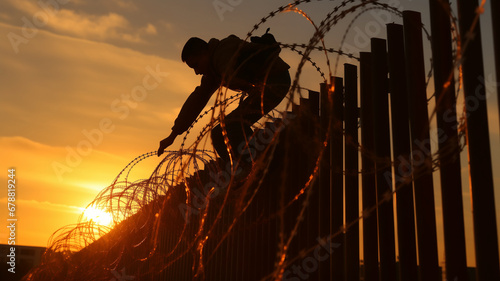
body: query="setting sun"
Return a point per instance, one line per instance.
(98, 216)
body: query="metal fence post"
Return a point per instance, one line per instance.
(369, 191)
(351, 172)
(478, 144)
(449, 153)
(337, 180)
(401, 151)
(324, 179)
(380, 105)
(421, 149)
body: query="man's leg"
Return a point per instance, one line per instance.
(238, 123)
(238, 134)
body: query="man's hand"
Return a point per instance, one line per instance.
(166, 143)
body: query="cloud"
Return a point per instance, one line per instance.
(166, 25)
(101, 27)
(75, 83)
(151, 29)
(34, 161)
(109, 26)
(4, 16)
(125, 4)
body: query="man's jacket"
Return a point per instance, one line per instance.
(235, 64)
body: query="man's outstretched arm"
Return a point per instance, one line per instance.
(166, 142)
(190, 110)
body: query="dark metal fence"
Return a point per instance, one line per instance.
(301, 217)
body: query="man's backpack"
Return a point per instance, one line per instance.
(268, 40)
(257, 56)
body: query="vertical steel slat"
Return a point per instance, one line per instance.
(380, 105)
(351, 172)
(337, 180)
(401, 150)
(368, 191)
(449, 156)
(421, 150)
(324, 178)
(478, 140)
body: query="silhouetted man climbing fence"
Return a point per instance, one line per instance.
(254, 68)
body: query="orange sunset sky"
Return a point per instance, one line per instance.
(72, 113)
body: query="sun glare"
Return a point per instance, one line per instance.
(98, 216)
